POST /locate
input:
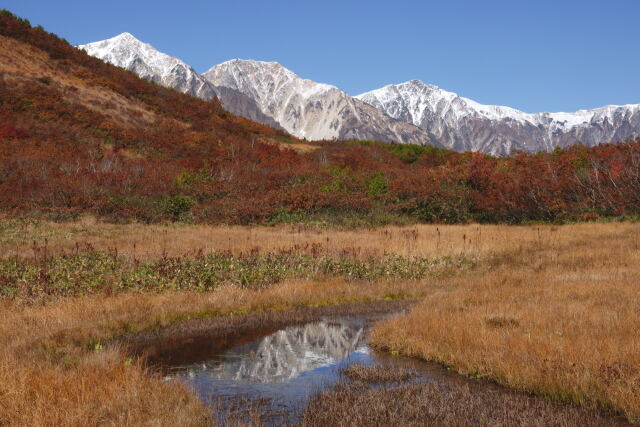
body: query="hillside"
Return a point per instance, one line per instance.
(81, 134)
(130, 53)
(410, 112)
(262, 91)
(78, 135)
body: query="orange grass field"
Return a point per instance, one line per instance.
(562, 320)
(553, 310)
(152, 241)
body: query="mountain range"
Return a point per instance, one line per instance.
(462, 124)
(410, 112)
(265, 92)
(83, 136)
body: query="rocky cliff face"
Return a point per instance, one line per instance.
(462, 124)
(128, 52)
(308, 109)
(411, 112)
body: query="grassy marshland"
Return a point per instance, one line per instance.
(552, 310)
(560, 320)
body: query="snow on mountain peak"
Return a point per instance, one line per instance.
(261, 91)
(126, 36)
(306, 108)
(124, 50)
(263, 80)
(463, 124)
(278, 91)
(419, 98)
(412, 111)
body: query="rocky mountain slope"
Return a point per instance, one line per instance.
(411, 112)
(462, 124)
(128, 52)
(264, 92)
(308, 109)
(81, 136)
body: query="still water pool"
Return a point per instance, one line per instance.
(282, 368)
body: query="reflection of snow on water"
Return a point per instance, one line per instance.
(284, 368)
(286, 354)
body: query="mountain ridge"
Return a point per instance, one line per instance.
(457, 122)
(409, 112)
(146, 61)
(82, 136)
(308, 109)
(302, 111)
(126, 51)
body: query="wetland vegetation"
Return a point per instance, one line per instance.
(545, 310)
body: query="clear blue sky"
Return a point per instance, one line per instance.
(535, 55)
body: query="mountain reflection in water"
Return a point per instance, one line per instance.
(280, 371)
(286, 354)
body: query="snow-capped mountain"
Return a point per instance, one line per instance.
(463, 124)
(128, 52)
(264, 92)
(411, 112)
(308, 109)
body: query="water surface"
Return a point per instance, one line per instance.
(283, 368)
(235, 365)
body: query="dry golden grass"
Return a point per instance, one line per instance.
(297, 146)
(437, 404)
(378, 374)
(20, 62)
(100, 389)
(151, 241)
(51, 373)
(560, 320)
(548, 309)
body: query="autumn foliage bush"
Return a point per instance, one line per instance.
(200, 163)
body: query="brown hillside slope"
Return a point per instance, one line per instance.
(78, 136)
(22, 65)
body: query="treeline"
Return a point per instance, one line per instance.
(198, 163)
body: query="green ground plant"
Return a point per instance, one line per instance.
(99, 272)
